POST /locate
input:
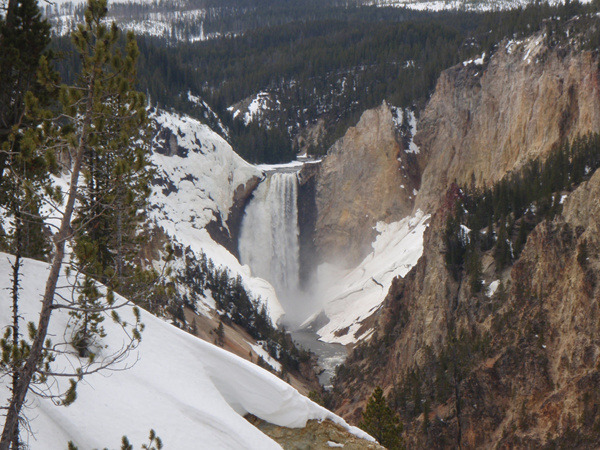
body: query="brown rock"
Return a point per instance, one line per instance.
(316, 435)
(482, 122)
(365, 178)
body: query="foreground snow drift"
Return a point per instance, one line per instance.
(192, 393)
(352, 296)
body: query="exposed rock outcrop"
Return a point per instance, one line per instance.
(524, 364)
(307, 219)
(316, 435)
(227, 234)
(366, 177)
(483, 121)
(519, 367)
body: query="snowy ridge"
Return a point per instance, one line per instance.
(354, 295)
(197, 175)
(192, 393)
(174, 21)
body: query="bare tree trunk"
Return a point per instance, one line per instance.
(64, 233)
(16, 266)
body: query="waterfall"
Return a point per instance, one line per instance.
(268, 240)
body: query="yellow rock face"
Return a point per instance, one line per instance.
(482, 122)
(365, 178)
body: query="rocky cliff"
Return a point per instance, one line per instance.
(518, 363)
(485, 120)
(366, 177)
(516, 368)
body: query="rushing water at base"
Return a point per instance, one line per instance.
(329, 355)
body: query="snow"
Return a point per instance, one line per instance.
(513, 44)
(476, 61)
(176, 22)
(292, 166)
(445, 5)
(532, 48)
(398, 116)
(199, 188)
(256, 108)
(351, 296)
(492, 288)
(412, 147)
(192, 393)
(265, 356)
(334, 444)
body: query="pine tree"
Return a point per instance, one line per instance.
(474, 270)
(88, 317)
(502, 251)
(220, 332)
(380, 421)
(101, 113)
(24, 36)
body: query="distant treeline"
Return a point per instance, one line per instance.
(333, 67)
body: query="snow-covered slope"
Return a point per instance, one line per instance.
(198, 174)
(195, 167)
(254, 108)
(192, 393)
(351, 296)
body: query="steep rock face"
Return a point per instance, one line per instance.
(416, 311)
(307, 219)
(484, 121)
(520, 368)
(366, 177)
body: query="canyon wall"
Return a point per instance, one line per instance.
(485, 120)
(516, 365)
(366, 177)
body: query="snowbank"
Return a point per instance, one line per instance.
(352, 296)
(192, 393)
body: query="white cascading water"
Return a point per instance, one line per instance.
(268, 243)
(268, 240)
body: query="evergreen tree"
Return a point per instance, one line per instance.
(88, 317)
(102, 97)
(521, 238)
(24, 37)
(474, 270)
(502, 254)
(220, 332)
(455, 239)
(380, 421)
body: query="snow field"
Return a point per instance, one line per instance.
(351, 296)
(192, 393)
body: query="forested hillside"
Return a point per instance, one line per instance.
(329, 66)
